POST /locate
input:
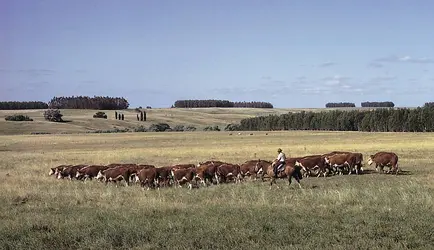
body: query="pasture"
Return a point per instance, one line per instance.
(369, 211)
(80, 120)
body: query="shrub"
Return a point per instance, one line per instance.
(160, 127)
(53, 115)
(210, 128)
(179, 128)
(140, 128)
(100, 115)
(232, 127)
(190, 128)
(18, 117)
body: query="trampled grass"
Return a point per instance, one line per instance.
(370, 211)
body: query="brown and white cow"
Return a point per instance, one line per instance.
(147, 177)
(183, 175)
(116, 174)
(338, 163)
(164, 176)
(383, 159)
(205, 172)
(226, 172)
(248, 169)
(89, 172)
(314, 164)
(70, 172)
(56, 170)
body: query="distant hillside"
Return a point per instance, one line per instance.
(81, 120)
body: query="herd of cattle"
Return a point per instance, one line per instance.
(216, 172)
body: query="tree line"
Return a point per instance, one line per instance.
(86, 102)
(219, 104)
(387, 104)
(340, 105)
(14, 105)
(420, 119)
(378, 104)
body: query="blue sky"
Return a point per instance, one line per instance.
(290, 53)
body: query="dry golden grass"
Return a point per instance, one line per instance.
(370, 211)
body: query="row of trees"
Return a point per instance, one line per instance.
(220, 104)
(86, 102)
(340, 105)
(23, 105)
(420, 119)
(378, 104)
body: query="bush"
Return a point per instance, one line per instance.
(232, 127)
(210, 128)
(160, 127)
(53, 115)
(114, 130)
(190, 128)
(140, 128)
(179, 128)
(100, 115)
(18, 117)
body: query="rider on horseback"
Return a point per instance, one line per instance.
(280, 162)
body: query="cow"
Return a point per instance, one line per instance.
(89, 172)
(248, 168)
(355, 161)
(183, 175)
(382, 159)
(314, 163)
(147, 177)
(136, 169)
(338, 162)
(206, 171)
(163, 176)
(56, 170)
(116, 174)
(183, 166)
(228, 171)
(70, 172)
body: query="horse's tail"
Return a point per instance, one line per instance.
(297, 173)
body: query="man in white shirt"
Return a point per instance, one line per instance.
(280, 162)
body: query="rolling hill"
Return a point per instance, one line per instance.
(81, 120)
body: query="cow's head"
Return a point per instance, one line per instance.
(52, 171)
(370, 161)
(327, 160)
(200, 175)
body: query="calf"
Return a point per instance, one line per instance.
(382, 159)
(147, 177)
(183, 175)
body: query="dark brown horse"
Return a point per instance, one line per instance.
(290, 171)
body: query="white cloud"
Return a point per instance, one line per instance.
(326, 64)
(405, 59)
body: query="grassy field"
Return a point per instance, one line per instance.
(80, 121)
(370, 211)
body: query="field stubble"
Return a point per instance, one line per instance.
(369, 211)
